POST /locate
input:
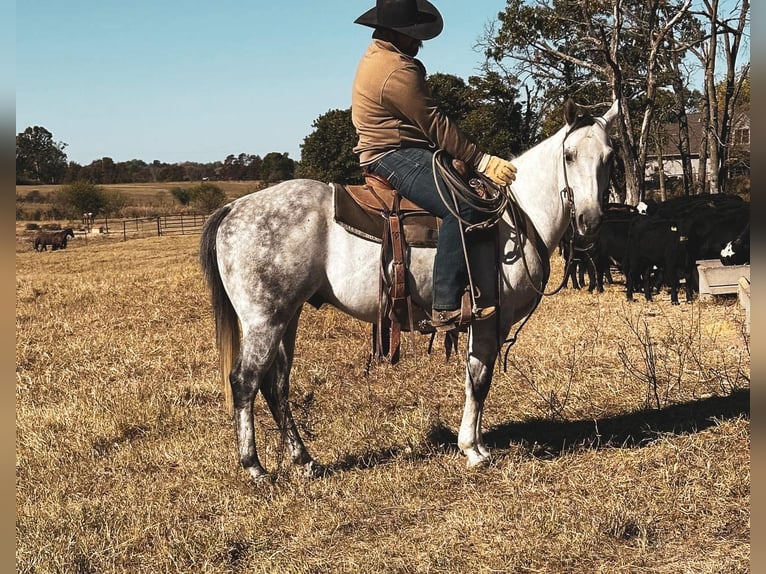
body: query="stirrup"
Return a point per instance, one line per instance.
(481, 313)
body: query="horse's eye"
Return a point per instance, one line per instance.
(569, 156)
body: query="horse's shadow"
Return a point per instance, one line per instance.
(549, 439)
(545, 438)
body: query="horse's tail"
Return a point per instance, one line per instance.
(226, 322)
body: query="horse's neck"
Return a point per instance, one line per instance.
(538, 189)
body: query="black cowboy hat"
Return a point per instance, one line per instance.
(417, 19)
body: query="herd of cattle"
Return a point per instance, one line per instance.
(658, 244)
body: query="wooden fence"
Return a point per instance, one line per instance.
(186, 224)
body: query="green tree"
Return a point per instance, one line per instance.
(80, 197)
(327, 153)
(453, 96)
(595, 52)
(183, 195)
(494, 118)
(38, 157)
(207, 197)
(277, 167)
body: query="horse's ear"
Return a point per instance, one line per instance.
(611, 113)
(571, 111)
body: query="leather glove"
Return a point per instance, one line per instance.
(501, 171)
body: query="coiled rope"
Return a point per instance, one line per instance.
(491, 205)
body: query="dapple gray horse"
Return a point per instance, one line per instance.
(265, 254)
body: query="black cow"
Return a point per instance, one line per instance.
(737, 251)
(711, 230)
(685, 204)
(612, 243)
(657, 245)
(712, 220)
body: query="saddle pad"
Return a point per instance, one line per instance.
(420, 228)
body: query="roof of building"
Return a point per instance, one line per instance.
(672, 140)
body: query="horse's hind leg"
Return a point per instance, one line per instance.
(276, 389)
(245, 380)
(254, 366)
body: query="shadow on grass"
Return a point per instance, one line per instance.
(549, 439)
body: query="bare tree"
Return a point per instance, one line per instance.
(611, 48)
(718, 115)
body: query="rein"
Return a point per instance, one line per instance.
(568, 194)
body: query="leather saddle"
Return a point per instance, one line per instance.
(364, 209)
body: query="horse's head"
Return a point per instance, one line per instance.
(587, 161)
(69, 232)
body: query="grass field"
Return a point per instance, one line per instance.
(144, 191)
(125, 456)
(140, 199)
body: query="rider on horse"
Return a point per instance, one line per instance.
(400, 128)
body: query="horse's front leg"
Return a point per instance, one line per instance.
(481, 360)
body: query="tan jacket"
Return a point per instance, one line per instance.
(392, 108)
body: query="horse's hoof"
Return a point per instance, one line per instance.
(313, 470)
(477, 460)
(258, 474)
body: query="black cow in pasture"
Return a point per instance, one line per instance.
(657, 245)
(710, 231)
(712, 220)
(686, 204)
(737, 251)
(612, 243)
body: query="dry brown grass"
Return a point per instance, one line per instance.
(125, 457)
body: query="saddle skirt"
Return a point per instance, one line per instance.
(363, 209)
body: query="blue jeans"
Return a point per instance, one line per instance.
(410, 171)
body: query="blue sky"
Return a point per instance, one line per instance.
(177, 81)
(196, 81)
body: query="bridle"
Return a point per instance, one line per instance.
(567, 195)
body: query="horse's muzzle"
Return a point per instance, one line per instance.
(588, 226)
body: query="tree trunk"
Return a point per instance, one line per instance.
(712, 98)
(684, 147)
(732, 40)
(702, 164)
(634, 188)
(661, 168)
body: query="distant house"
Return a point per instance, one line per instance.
(671, 154)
